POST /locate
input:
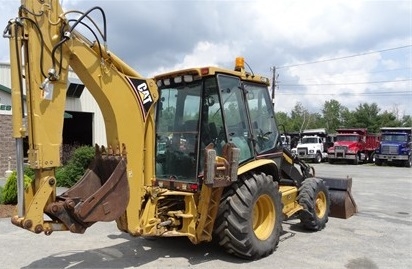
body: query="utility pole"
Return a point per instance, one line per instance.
(274, 84)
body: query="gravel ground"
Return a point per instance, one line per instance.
(378, 236)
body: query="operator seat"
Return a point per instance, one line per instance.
(190, 128)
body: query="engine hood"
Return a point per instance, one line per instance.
(348, 144)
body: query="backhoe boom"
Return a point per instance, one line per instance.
(46, 46)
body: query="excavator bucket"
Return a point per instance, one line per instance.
(342, 202)
(340, 189)
(102, 194)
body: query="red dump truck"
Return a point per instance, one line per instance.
(354, 145)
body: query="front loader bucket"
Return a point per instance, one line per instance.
(342, 202)
(102, 194)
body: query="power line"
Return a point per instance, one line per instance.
(386, 93)
(353, 74)
(346, 83)
(344, 57)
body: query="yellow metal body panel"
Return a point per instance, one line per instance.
(127, 103)
(212, 70)
(256, 164)
(290, 204)
(125, 98)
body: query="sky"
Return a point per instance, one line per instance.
(352, 51)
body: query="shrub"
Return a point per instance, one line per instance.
(1, 195)
(28, 171)
(9, 192)
(67, 151)
(69, 174)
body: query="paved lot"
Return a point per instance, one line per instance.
(379, 236)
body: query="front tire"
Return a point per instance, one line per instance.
(318, 158)
(250, 217)
(408, 162)
(356, 160)
(378, 162)
(314, 198)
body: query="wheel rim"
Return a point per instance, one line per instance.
(320, 204)
(264, 216)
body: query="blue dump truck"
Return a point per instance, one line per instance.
(395, 146)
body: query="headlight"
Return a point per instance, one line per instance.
(404, 150)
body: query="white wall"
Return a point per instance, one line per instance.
(85, 103)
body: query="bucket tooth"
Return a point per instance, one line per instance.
(124, 151)
(102, 194)
(117, 151)
(103, 150)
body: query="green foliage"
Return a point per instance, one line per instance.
(9, 192)
(28, 172)
(334, 116)
(1, 195)
(333, 113)
(69, 174)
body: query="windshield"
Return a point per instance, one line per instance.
(395, 137)
(235, 115)
(211, 111)
(354, 138)
(309, 140)
(262, 117)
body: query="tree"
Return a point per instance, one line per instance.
(333, 115)
(388, 119)
(315, 120)
(367, 116)
(347, 118)
(299, 117)
(283, 119)
(406, 121)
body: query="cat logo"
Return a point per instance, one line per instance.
(142, 92)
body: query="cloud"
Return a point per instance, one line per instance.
(158, 36)
(204, 54)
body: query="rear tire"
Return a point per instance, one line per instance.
(314, 198)
(249, 220)
(371, 158)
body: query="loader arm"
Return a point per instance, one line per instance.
(44, 45)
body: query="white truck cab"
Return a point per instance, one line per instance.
(312, 145)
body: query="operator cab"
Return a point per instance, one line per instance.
(195, 112)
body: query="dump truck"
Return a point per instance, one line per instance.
(395, 146)
(313, 145)
(353, 145)
(193, 153)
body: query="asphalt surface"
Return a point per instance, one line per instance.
(378, 236)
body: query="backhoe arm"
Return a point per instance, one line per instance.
(44, 45)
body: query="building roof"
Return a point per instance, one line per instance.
(5, 89)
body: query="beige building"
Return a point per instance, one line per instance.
(83, 120)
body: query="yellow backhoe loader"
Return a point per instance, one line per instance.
(194, 153)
